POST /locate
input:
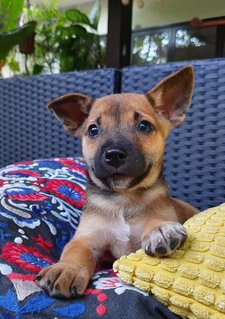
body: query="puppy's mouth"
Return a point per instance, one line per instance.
(119, 180)
(119, 176)
(115, 180)
(122, 181)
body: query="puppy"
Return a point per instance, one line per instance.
(128, 205)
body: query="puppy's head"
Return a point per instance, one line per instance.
(124, 135)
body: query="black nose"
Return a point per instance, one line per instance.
(115, 157)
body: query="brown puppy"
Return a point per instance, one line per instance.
(128, 205)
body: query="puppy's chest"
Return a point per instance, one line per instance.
(128, 232)
(127, 220)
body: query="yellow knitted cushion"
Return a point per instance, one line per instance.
(191, 282)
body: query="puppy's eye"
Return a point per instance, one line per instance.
(93, 130)
(145, 127)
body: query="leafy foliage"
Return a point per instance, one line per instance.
(78, 41)
(11, 38)
(64, 41)
(68, 40)
(10, 34)
(10, 11)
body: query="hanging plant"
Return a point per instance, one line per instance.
(10, 34)
(27, 45)
(14, 37)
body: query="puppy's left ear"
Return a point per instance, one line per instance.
(72, 110)
(172, 96)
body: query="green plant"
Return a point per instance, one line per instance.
(78, 44)
(10, 35)
(47, 16)
(10, 11)
(11, 38)
(66, 40)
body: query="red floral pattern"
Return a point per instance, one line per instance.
(27, 258)
(66, 190)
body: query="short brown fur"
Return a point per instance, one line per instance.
(128, 205)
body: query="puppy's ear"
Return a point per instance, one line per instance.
(172, 96)
(72, 110)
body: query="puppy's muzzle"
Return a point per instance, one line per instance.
(119, 159)
(115, 157)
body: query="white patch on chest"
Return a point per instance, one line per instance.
(120, 234)
(121, 230)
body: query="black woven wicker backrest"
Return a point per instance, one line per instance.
(28, 130)
(195, 156)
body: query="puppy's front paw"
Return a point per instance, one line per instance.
(164, 240)
(63, 280)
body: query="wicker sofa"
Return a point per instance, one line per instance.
(41, 196)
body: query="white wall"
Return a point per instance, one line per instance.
(162, 12)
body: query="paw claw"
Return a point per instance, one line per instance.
(38, 278)
(62, 280)
(161, 250)
(73, 291)
(174, 243)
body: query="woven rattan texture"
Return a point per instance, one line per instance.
(28, 130)
(195, 156)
